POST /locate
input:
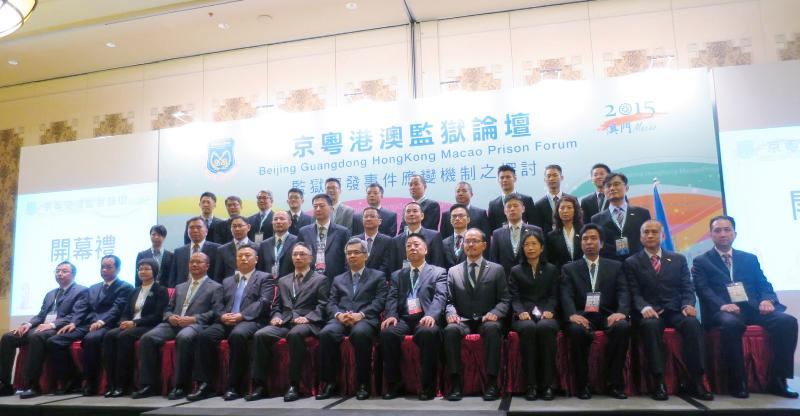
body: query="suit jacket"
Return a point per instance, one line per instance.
(433, 239)
(382, 255)
(259, 293)
(206, 305)
(343, 215)
(335, 240)
(590, 205)
(266, 255)
(634, 218)
(497, 215)
(311, 300)
(501, 251)
(163, 269)
(490, 294)
(301, 222)
(431, 292)
(388, 223)
(257, 226)
(556, 249)
(545, 212)
(450, 256)
(214, 223)
(527, 291)
(432, 211)
(179, 272)
(477, 219)
(225, 264)
(669, 289)
(611, 283)
(71, 308)
(369, 298)
(107, 305)
(711, 278)
(153, 308)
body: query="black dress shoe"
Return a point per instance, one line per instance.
(117, 393)
(145, 391)
(363, 392)
(30, 393)
(426, 394)
(292, 394)
(779, 387)
(739, 390)
(231, 394)
(6, 390)
(617, 393)
(699, 392)
(88, 390)
(109, 391)
(176, 393)
(456, 393)
(203, 392)
(530, 393)
(258, 393)
(395, 390)
(328, 390)
(583, 393)
(492, 393)
(659, 392)
(547, 394)
(67, 388)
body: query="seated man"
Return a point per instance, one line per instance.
(735, 293)
(63, 311)
(478, 301)
(356, 300)
(663, 296)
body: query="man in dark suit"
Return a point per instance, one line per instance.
(545, 206)
(326, 239)
(596, 201)
(261, 221)
(414, 218)
(620, 222)
(477, 216)
(106, 301)
(594, 296)
(507, 177)
(226, 254)
(63, 310)
(298, 312)
(380, 247)
(247, 296)
(299, 218)
(275, 253)
(454, 244)
(417, 187)
(179, 272)
(477, 302)
(415, 305)
(162, 257)
(663, 297)
(356, 300)
(341, 214)
(195, 305)
(221, 232)
(388, 218)
(735, 293)
(208, 202)
(506, 249)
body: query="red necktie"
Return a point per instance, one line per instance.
(656, 262)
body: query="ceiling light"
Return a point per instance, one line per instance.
(351, 5)
(12, 62)
(111, 45)
(13, 14)
(223, 26)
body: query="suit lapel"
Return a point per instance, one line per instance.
(716, 260)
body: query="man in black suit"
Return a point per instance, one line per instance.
(195, 305)
(596, 201)
(298, 312)
(226, 253)
(326, 239)
(454, 244)
(341, 213)
(507, 177)
(594, 296)
(388, 218)
(261, 221)
(477, 216)
(208, 202)
(417, 187)
(414, 218)
(247, 296)
(299, 218)
(63, 310)
(506, 249)
(179, 272)
(221, 232)
(356, 300)
(415, 305)
(545, 206)
(620, 222)
(106, 301)
(275, 253)
(735, 293)
(477, 302)
(162, 257)
(380, 247)
(663, 297)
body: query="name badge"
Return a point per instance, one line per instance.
(406, 264)
(259, 238)
(736, 292)
(413, 306)
(275, 270)
(50, 318)
(622, 246)
(592, 302)
(319, 265)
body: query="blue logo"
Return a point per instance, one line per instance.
(220, 156)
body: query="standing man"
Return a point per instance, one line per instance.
(663, 297)
(506, 248)
(208, 202)
(162, 257)
(594, 296)
(222, 232)
(417, 187)
(179, 272)
(478, 301)
(477, 216)
(261, 222)
(507, 177)
(735, 293)
(106, 301)
(275, 253)
(299, 218)
(415, 305)
(620, 222)
(356, 300)
(546, 206)
(454, 244)
(342, 214)
(414, 218)
(226, 253)
(388, 218)
(63, 310)
(380, 247)
(596, 201)
(326, 239)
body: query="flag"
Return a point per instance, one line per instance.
(661, 216)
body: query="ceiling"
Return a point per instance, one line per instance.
(68, 37)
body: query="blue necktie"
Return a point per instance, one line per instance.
(237, 298)
(356, 276)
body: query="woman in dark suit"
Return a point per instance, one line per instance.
(533, 285)
(563, 243)
(145, 309)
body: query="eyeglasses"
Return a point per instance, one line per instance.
(471, 241)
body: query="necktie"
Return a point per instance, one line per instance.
(294, 220)
(656, 262)
(369, 245)
(59, 293)
(237, 298)
(195, 248)
(189, 295)
(593, 274)
(620, 214)
(600, 200)
(356, 276)
(473, 280)
(321, 233)
(515, 238)
(459, 242)
(555, 201)
(279, 245)
(298, 280)
(414, 278)
(726, 258)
